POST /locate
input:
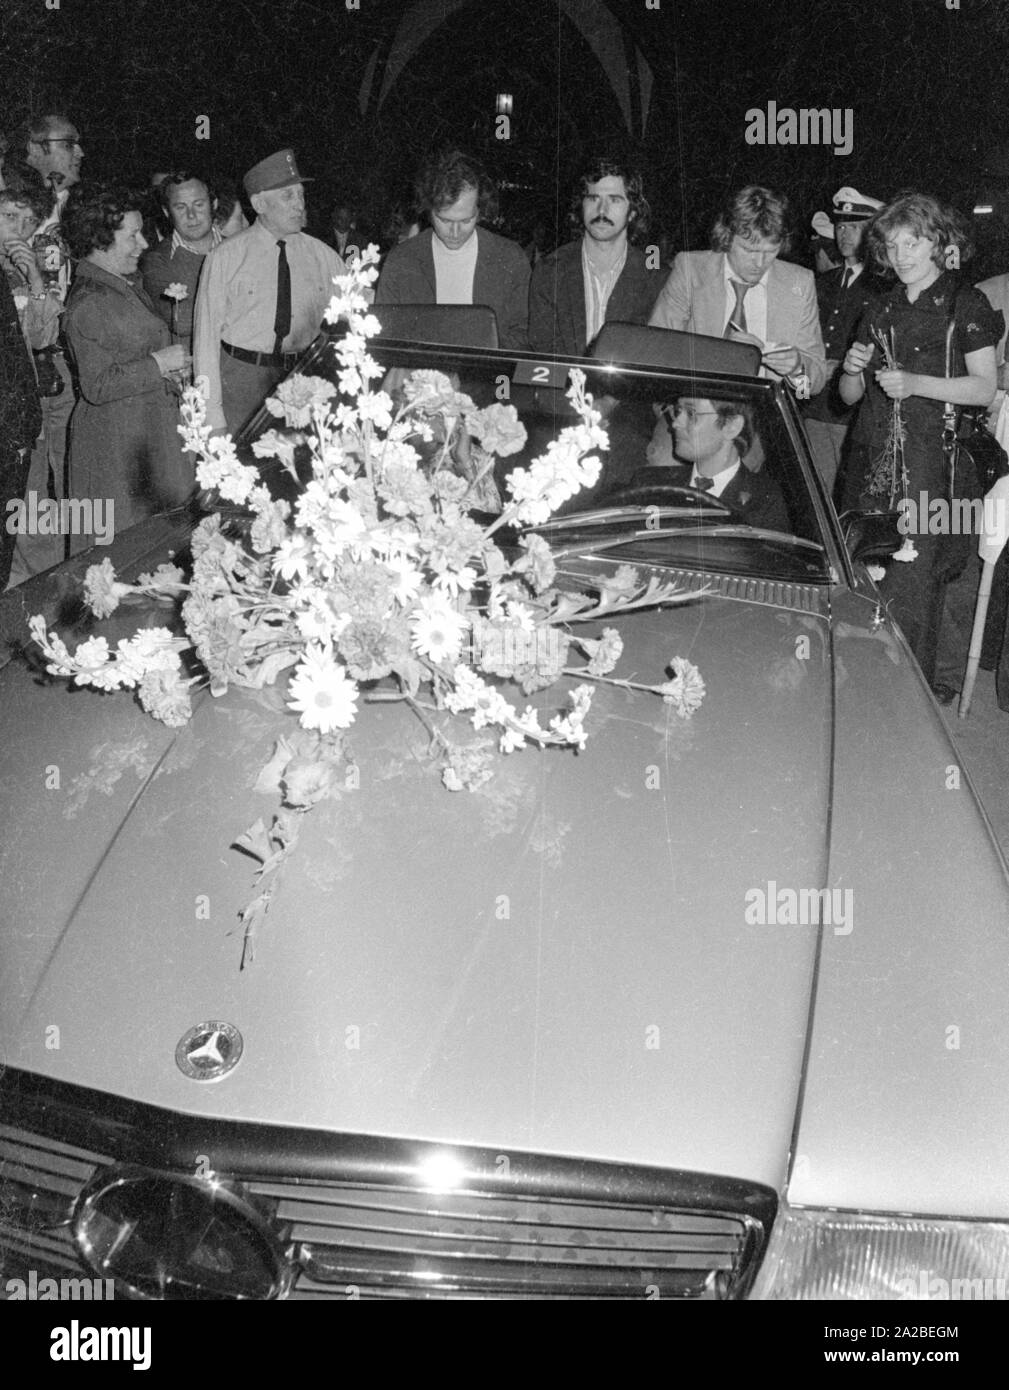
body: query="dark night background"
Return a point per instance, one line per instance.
(928, 87)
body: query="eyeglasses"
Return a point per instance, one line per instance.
(60, 140)
(689, 413)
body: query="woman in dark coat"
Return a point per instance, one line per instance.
(923, 243)
(124, 440)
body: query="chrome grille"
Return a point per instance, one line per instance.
(395, 1242)
(39, 1182)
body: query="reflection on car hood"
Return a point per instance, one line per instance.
(557, 962)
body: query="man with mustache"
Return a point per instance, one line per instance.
(601, 276)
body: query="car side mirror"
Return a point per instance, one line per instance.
(871, 535)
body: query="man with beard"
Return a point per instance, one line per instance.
(262, 297)
(600, 277)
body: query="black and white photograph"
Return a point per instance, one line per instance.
(504, 666)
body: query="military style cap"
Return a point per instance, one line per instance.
(276, 171)
(852, 206)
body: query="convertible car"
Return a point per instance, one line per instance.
(713, 1008)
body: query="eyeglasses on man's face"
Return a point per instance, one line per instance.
(688, 413)
(74, 142)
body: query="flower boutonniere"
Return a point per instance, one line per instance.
(176, 292)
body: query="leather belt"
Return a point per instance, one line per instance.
(262, 359)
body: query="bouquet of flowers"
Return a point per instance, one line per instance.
(379, 583)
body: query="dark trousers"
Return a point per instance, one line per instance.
(244, 388)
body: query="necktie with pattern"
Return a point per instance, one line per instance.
(737, 319)
(282, 318)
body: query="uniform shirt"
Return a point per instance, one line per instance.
(237, 301)
(841, 311)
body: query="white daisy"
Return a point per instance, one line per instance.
(321, 692)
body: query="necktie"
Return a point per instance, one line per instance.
(701, 482)
(737, 319)
(846, 278)
(282, 319)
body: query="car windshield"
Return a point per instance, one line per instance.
(701, 471)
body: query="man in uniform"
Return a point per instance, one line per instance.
(842, 296)
(262, 297)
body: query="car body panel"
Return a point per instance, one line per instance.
(903, 1104)
(491, 1014)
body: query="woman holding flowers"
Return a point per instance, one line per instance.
(897, 368)
(124, 440)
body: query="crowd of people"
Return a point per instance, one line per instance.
(113, 298)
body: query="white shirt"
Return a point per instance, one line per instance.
(754, 302)
(599, 285)
(720, 481)
(454, 270)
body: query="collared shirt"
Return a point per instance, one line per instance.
(237, 300)
(754, 302)
(180, 244)
(720, 481)
(454, 270)
(599, 285)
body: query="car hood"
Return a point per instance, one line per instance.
(566, 960)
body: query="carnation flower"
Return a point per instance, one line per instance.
(686, 691)
(102, 591)
(295, 398)
(499, 429)
(165, 695)
(607, 652)
(273, 444)
(175, 291)
(90, 657)
(321, 693)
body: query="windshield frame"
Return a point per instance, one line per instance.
(397, 352)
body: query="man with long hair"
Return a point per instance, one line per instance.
(603, 275)
(455, 260)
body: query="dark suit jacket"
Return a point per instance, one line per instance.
(501, 280)
(159, 269)
(754, 497)
(557, 299)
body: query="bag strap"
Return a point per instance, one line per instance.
(949, 415)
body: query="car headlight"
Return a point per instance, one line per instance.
(826, 1254)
